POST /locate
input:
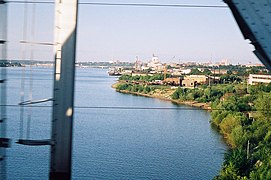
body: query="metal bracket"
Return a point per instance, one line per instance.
(2, 41)
(31, 142)
(34, 101)
(5, 142)
(37, 43)
(2, 2)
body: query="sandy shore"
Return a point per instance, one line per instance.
(166, 95)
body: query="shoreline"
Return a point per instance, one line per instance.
(204, 106)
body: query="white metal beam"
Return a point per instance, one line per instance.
(4, 142)
(62, 122)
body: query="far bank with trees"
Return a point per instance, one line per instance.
(239, 111)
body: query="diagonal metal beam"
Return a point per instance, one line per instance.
(253, 19)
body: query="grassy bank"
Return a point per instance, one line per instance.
(241, 113)
(164, 93)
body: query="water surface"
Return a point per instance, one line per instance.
(113, 143)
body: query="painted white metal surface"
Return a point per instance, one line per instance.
(3, 119)
(254, 19)
(62, 120)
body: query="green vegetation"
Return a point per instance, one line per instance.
(244, 121)
(139, 88)
(241, 113)
(140, 84)
(146, 78)
(204, 94)
(229, 78)
(238, 70)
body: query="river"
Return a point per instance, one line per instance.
(112, 143)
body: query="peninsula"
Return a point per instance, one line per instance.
(163, 94)
(240, 108)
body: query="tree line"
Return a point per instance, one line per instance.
(242, 114)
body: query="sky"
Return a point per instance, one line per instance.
(110, 33)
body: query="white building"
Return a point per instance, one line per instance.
(257, 78)
(155, 64)
(185, 71)
(224, 62)
(138, 65)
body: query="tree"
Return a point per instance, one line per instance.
(195, 71)
(229, 172)
(263, 106)
(147, 89)
(229, 123)
(207, 72)
(122, 86)
(177, 93)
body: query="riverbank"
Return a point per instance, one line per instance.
(165, 95)
(241, 115)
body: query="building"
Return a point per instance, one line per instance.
(172, 81)
(176, 72)
(185, 71)
(219, 71)
(189, 83)
(258, 78)
(254, 65)
(195, 80)
(138, 65)
(224, 62)
(154, 62)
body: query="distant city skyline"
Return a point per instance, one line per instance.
(110, 33)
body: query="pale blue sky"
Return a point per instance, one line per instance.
(122, 33)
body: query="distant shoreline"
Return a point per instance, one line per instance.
(205, 106)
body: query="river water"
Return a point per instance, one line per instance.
(112, 143)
